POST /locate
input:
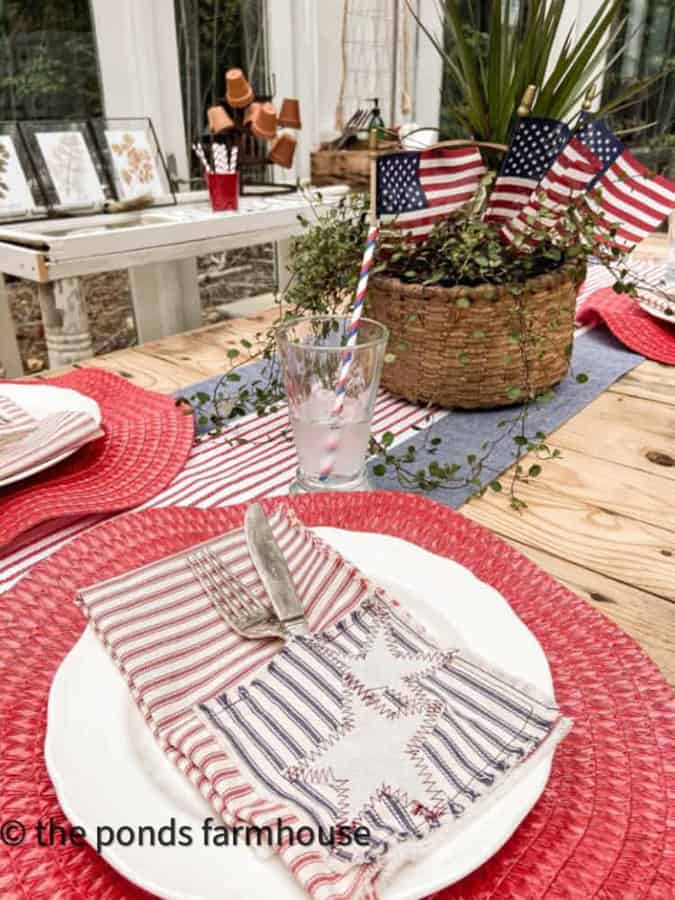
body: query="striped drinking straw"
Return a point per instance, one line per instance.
(333, 442)
(330, 450)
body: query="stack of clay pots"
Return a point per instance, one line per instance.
(241, 112)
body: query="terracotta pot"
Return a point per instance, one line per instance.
(289, 117)
(218, 120)
(264, 122)
(238, 91)
(251, 112)
(283, 150)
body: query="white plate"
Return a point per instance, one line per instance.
(41, 400)
(655, 304)
(658, 313)
(108, 771)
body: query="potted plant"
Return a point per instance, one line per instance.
(475, 324)
(475, 321)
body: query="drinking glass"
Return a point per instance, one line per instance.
(312, 351)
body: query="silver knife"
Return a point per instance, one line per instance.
(273, 570)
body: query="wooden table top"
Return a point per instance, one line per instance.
(601, 520)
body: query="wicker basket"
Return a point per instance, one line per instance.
(460, 347)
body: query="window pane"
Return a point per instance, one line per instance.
(49, 70)
(48, 65)
(213, 36)
(647, 39)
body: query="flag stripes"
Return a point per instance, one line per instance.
(535, 145)
(568, 177)
(421, 189)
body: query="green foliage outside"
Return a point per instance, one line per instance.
(461, 250)
(48, 64)
(213, 36)
(493, 49)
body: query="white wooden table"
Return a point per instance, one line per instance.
(158, 246)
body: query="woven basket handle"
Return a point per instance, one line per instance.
(455, 142)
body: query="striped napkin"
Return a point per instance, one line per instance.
(366, 733)
(15, 421)
(31, 443)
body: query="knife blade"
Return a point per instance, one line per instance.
(273, 570)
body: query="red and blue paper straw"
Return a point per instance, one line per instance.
(333, 442)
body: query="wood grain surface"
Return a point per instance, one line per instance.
(601, 520)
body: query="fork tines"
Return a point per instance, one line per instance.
(238, 606)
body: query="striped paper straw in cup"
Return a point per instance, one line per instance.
(332, 367)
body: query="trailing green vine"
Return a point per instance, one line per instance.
(461, 250)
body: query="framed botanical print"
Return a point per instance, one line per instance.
(20, 193)
(134, 160)
(65, 157)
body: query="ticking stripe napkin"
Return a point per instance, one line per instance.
(15, 421)
(368, 734)
(41, 441)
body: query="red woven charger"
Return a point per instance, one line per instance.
(146, 441)
(605, 825)
(630, 324)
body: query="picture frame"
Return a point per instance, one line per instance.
(68, 165)
(132, 155)
(21, 195)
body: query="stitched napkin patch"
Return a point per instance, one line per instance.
(184, 667)
(370, 725)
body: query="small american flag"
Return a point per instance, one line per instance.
(624, 194)
(534, 148)
(422, 188)
(570, 175)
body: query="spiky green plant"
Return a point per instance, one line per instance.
(490, 75)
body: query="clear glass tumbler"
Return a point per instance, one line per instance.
(313, 350)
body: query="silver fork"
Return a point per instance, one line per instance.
(239, 608)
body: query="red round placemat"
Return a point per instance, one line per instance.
(605, 825)
(630, 324)
(146, 442)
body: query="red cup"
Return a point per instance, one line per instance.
(224, 191)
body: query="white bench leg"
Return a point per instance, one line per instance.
(165, 298)
(66, 324)
(10, 358)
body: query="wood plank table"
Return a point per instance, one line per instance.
(159, 247)
(601, 520)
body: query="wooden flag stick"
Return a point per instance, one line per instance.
(455, 142)
(372, 146)
(527, 101)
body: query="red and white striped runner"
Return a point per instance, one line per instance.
(218, 472)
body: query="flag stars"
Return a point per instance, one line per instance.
(536, 144)
(398, 178)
